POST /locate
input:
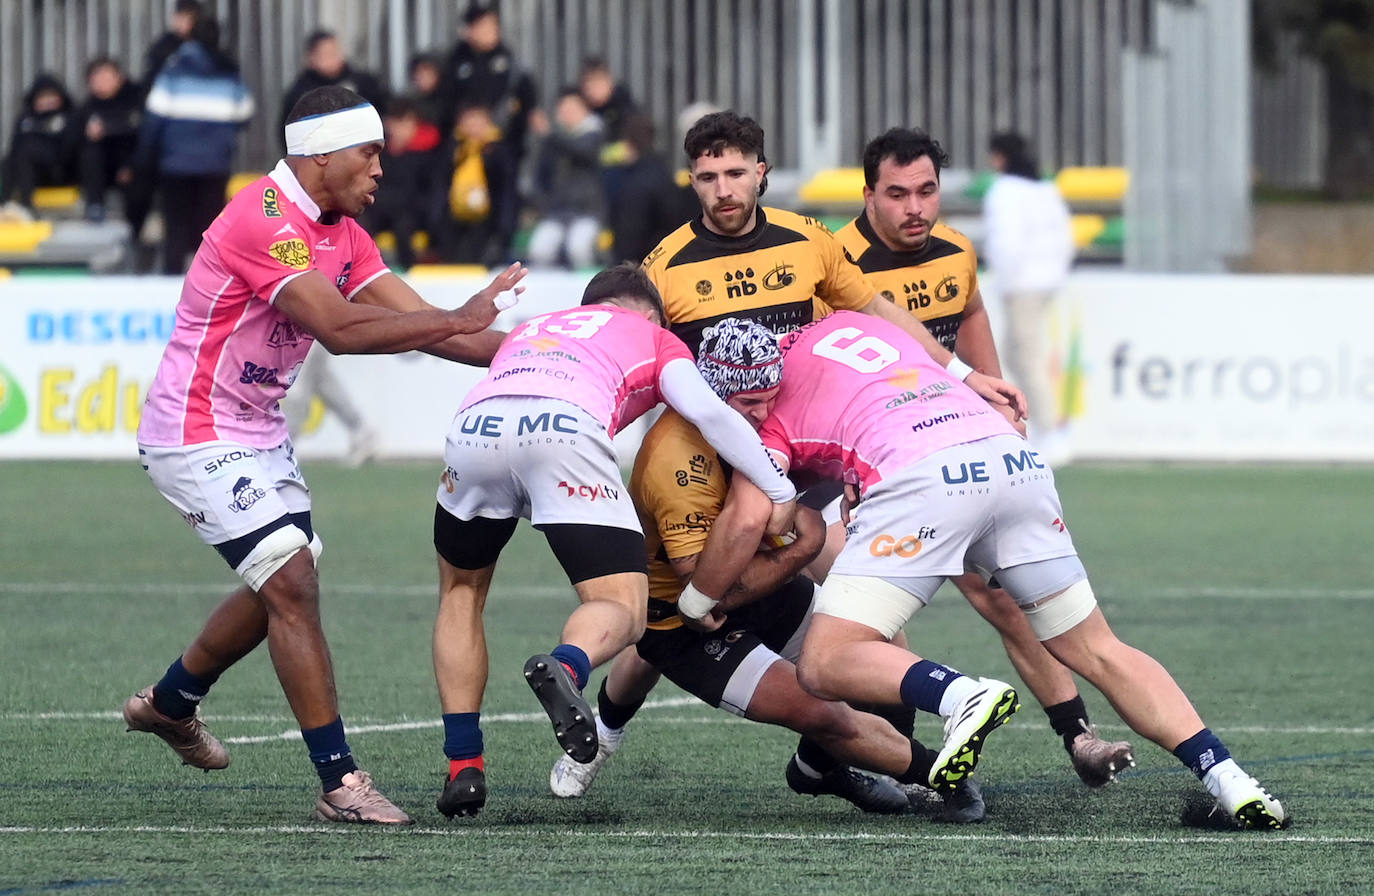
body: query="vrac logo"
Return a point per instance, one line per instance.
(741, 284)
(591, 492)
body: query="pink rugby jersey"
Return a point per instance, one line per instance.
(232, 354)
(602, 358)
(860, 400)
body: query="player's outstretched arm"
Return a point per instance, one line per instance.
(730, 434)
(390, 291)
(734, 539)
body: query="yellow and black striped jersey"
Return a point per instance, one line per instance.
(678, 486)
(771, 275)
(934, 283)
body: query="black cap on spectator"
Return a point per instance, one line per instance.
(476, 10)
(194, 7)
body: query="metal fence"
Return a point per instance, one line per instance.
(821, 76)
(1094, 82)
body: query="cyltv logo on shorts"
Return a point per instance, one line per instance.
(14, 407)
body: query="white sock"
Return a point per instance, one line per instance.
(957, 690)
(608, 736)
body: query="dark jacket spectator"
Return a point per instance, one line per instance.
(40, 148)
(189, 134)
(608, 98)
(481, 70)
(479, 218)
(647, 207)
(427, 87)
(105, 131)
(184, 16)
(326, 66)
(413, 171)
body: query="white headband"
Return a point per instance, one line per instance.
(332, 131)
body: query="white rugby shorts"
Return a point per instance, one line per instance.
(542, 459)
(984, 505)
(225, 490)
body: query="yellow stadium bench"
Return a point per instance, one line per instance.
(1087, 228)
(442, 271)
(56, 198)
(386, 241)
(1093, 186)
(20, 237)
(834, 186)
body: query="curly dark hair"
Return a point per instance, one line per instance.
(903, 146)
(719, 131)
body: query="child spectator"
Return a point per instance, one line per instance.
(40, 150)
(571, 197)
(480, 204)
(106, 130)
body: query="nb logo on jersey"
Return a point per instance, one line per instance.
(739, 284)
(916, 297)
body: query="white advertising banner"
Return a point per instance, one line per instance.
(77, 356)
(1217, 367)
(1148, 367)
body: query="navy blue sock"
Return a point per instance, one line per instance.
(462, 735)
(1067, 719)
(614, 715)
(329, 751)
(575, 658)
(179, 692)
(1202, 751)
(925, 683)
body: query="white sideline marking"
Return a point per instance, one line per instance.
(1239, 592)
(907, 836)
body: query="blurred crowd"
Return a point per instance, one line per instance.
(472, 157)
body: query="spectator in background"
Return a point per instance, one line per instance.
(646, 209)
(607, 98)
(40, 148)
(571, 198)
(185, 14)
(480, 204)
(189, 133)
(106, 134)
(410, 164)
(426, 87)
(326, 65)
(481, 70)
(1028, 250)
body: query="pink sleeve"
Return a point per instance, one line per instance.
(669, 347)
(774, 438)
(367, 260)
(255, 248)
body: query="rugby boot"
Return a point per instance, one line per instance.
(1097, 761)
(964, 804)
(570, 779)
(188, 737)
(966, 730)
(359, 802)
(464, 794)
(1243, 799)
(876, 795)
(573, 723)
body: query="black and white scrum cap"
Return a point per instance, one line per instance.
(739, 356)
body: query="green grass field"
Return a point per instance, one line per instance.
(1251, 584)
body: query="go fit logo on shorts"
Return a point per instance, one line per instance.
(900, 545)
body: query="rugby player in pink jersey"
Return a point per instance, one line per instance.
(946, 485)
(283, 265)
(533, 440)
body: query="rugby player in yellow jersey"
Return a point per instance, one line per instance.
(931, 270)
(743, 260)
(747, 667)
